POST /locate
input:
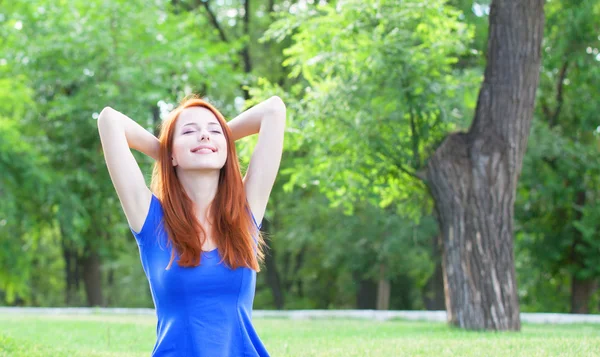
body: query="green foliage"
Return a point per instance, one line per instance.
(23, 184)
(376, 88)
(558, 203)
(381, 74)
(74, 59)
(371, 88)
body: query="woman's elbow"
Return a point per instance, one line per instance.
(276, 105)
(106, 116)
(106, 112)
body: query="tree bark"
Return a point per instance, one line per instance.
(92, 278)
(473, 176)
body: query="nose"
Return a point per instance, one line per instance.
(203, 134)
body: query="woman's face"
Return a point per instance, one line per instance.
(199, 141)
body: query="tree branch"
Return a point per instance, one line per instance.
(245, 52)
(270, 6)
(415, 138)
(418, 175)
(546, 109)
(559, 94)
(551, 162)
(213, 20)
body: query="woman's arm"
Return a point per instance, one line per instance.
(268, 120)
(249, 122)
(137, 137)
(118, 134)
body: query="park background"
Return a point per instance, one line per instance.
(372, 89)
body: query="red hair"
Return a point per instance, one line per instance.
(233, 224)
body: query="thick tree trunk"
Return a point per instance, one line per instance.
(473, 176)
(92, 278)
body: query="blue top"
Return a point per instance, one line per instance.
(202, 311)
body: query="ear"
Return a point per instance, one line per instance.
(173, 161)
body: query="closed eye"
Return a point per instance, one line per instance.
(216, 132)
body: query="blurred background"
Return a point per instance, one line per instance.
(372, 88)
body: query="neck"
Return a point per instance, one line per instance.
(201, 187)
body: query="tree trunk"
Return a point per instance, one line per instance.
(383, 290)
(433, 292)
(581, 289)
(273, 279)
(155, 120)
(110, 282)
(581, 294)
(92, 278)
(366, 293)
(473, 176)
(293, 277)
(245, 52)
(71, 278)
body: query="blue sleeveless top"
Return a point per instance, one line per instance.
(202, 311)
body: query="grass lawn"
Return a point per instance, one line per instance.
(110, 335)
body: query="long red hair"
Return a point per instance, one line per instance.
(233, 226)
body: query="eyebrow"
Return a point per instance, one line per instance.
(195, 124)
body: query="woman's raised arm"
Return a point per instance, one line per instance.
(268, 120)
(118, 135)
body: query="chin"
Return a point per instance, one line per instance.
(204, 167)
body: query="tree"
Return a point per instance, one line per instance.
(376, 91)
(79, 61)
(473, 175)
(559, 190)
(23, 187)
(388, 83)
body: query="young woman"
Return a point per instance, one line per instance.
(198, 228)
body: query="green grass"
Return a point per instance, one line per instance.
(109, 335)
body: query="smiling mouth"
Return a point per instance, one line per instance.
(203, 151)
